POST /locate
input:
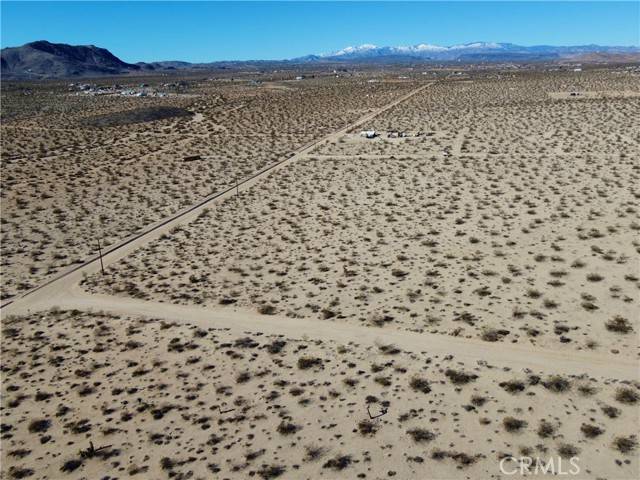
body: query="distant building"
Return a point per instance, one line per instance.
(368, 134)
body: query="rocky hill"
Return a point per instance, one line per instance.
(43, 59)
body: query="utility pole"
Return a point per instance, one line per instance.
(100, 253)
(237, 195)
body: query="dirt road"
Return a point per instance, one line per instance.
(515, 356)
(64, 292)
(127, 245)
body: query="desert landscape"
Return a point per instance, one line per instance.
(102, 174)
(384, 273)
(183, 400)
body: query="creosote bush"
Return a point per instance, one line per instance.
(420, 384)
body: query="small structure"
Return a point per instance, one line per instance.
(368, 134)
(397, 134)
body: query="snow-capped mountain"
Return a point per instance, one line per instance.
(468, 51)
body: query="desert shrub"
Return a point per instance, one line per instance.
(20, 472)
(271, 471)
(532, 293)
(587, 390)
(328, 314)
(305, 363)
(627, 395)
(513, 386)
(276, 346)
(245, 342)
(421, 435)
(611, 412)
(462, 459)
(566, 450)
(40, 396)
(379, 320)
(512, 424)
(351, 382)
(545, 429)
(339, 462)
(490, 335)
(420, 384)
(389, 349)
(287, 428)
(478, 401)
(493, 335)
(267, 309)
(40, 425)
(367, 427)
(167, 463)
(313, 453)
(618, 324)
(591, 431)
(19, 453)
(557, 384)
(595, 277)
(227, 301)
(459, 378)
(399, 273)
(625, 444)
(71, 465)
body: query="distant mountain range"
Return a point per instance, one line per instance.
(477, 51)
(43, 59)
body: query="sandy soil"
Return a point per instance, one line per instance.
(66, 184)
(473, 285)
(182, 401)
(538, 248)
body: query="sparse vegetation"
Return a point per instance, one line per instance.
(517, 243)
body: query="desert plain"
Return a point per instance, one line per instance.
(283, 297)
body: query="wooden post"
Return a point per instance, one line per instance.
(100, 253)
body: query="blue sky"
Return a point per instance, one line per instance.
(208, 31)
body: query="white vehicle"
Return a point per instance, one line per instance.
(368, 134)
